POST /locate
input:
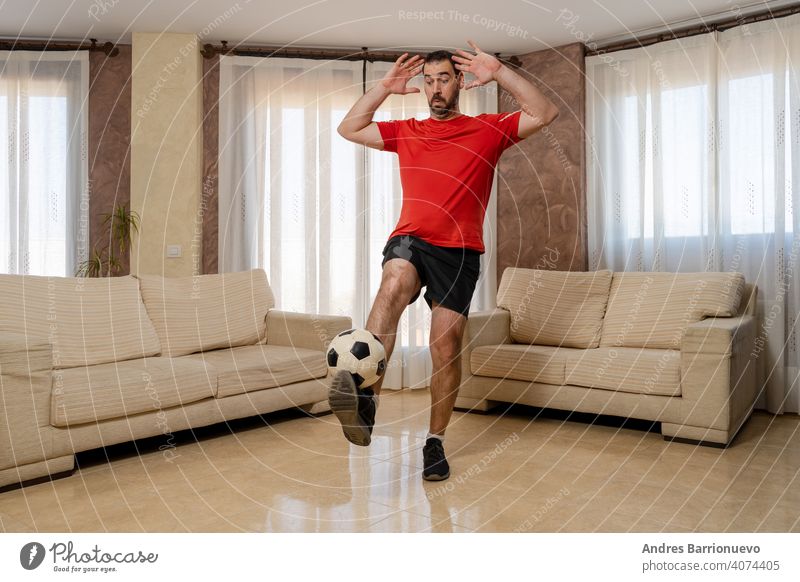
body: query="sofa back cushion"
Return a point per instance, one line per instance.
(206, 312)
(86, 320)
(652, 309)
(555, 308)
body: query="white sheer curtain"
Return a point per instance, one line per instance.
(693, 148)
(44, 183)
(313, 209)
(291, 191)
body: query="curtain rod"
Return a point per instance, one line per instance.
(695, 30)
(45, 45)
(209, 50)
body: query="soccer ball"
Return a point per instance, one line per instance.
(360, 352)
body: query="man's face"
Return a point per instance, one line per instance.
(441, 87)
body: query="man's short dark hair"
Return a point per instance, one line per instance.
(438, 56)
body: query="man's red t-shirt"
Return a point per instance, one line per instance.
(446, 170)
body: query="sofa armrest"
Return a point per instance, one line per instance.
(718, 380)
(26, 381)
(717, 335)
(304, 330)
(484, 328)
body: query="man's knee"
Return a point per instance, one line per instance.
(445, 350)
(447, 332)
(400, 280)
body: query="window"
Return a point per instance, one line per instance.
(756, 127)
(43, 166)
(692, 170)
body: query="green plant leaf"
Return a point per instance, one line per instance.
(93, 266)
(123, 223)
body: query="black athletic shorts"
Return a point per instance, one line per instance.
(450, 274)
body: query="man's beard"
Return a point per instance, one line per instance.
(443, 108)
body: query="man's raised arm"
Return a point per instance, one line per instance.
(537, 110)
(357, 126)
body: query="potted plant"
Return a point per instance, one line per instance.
(105, 262)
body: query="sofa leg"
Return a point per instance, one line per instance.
(316, 409)
(34, 473)
(692, 435)
(684, 441)
(474, 405)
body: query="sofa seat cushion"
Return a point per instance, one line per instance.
(555, 308)
(653, 309)
(87, 320)
(637, 370)
(195, 314)
(543, 364)
(249, 368)
(119, 389)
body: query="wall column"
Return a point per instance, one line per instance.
(166, 153)
(541, 190)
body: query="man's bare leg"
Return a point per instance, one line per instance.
(399, 282)
(447, 330)
(355, 408)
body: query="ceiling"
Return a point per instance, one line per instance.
(506, 26)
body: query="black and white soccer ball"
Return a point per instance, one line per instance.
(361, 353)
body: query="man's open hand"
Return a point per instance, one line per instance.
(403, 70)
(482, 65)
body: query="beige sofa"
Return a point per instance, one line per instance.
(86, 363)
(670, 348)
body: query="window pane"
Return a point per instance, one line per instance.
(751, 154)
(47, 171)
(787, 139)
(684, 156)
(293, 210)
(344, 219)
(630, 197)
(5, 208)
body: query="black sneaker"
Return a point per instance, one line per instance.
(436, 467)
(354, 408)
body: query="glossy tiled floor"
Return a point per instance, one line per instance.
(509, 472)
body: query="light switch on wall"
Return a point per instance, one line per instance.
(173, 251)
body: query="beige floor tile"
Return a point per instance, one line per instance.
(776, 461)
(309, 510)
(46, 502)
(581, 514)
(504, 472)
(393, 485)
(675, 505)
(774, 485)
(669, 470)
(735, 455)
(474, 502)
(406, 522)
(555, 460)
(53, 510)
(11, 525)
(754, 515)
(595, 518)
(539, 510)
(772, 430)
